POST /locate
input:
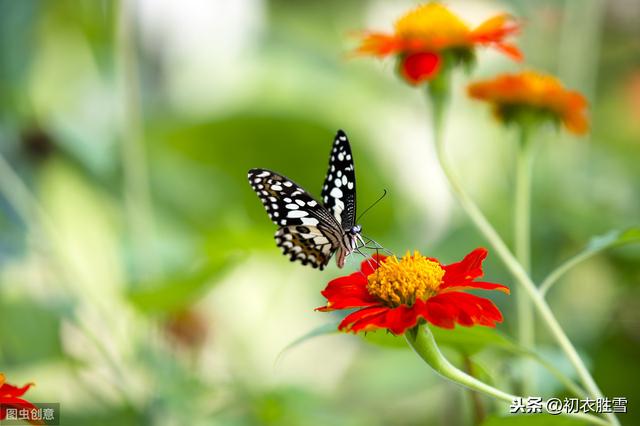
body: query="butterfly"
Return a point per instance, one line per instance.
(310, 231)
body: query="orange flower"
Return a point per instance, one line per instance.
(11, 398)
(531, 94)
(397, 294)
(423, 35)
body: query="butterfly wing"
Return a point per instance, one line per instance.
(339, 189)
(308, 231)
(307, 244)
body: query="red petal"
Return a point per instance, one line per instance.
(17, 403)
(7, 390)
(361, 315)
(465, 309)
(347, 292)
(368, 266)
(397, 320)
(470, 285)
(467, 269)
(419, 67)
(439, 314)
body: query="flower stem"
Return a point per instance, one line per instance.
(522, 234)
(424, 345)
(422, 342)
(517, 271)
(476, 402)
(554, 276)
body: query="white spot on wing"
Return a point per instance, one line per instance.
(336, 193)
(309, 221)
(320, 240)
(296, 213)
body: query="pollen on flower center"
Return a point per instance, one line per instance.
(403, 281)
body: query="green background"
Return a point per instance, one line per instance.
(139, 279)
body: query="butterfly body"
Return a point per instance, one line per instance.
(310, 231)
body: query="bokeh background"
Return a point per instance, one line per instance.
(139, 279)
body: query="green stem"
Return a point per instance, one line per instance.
(509, 260)
(522, 234)
(476, 402)
(557, 273)
(421, 340)
(425, 346)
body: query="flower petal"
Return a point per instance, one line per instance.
(361, 316)
(511, 50)
(420, 67)
(466, 270)
(495, 29)
(471, 285)
(380, 44)
(368, 266)
(347, 292)
(18, 404)
(465, 309)
(7, 390)
(397, 320)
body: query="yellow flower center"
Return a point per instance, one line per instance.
(434, 24)
(403, 281)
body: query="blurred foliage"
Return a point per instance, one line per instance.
(227, 86)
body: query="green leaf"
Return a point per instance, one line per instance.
(470, 340)
(173, 293)
(532, 419)
(29, 332)
(385, 338)
(614, 238)
(323, 330)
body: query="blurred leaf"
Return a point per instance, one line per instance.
(614, 238)
(479, 372)
(533, 419)
(597, 244)
(385, 338)
(470, 340)
(174, 293)
(29, 333)
(204, 177)
(323, 330)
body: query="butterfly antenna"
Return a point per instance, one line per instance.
(377, 246)
(372, 205)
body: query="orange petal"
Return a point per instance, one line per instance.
(379, 44)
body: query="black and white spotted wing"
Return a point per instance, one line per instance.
(311, 232)
(339, 189)
(308, 231)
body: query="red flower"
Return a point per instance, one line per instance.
(10, 397)
(423, 36)
(396, 294)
